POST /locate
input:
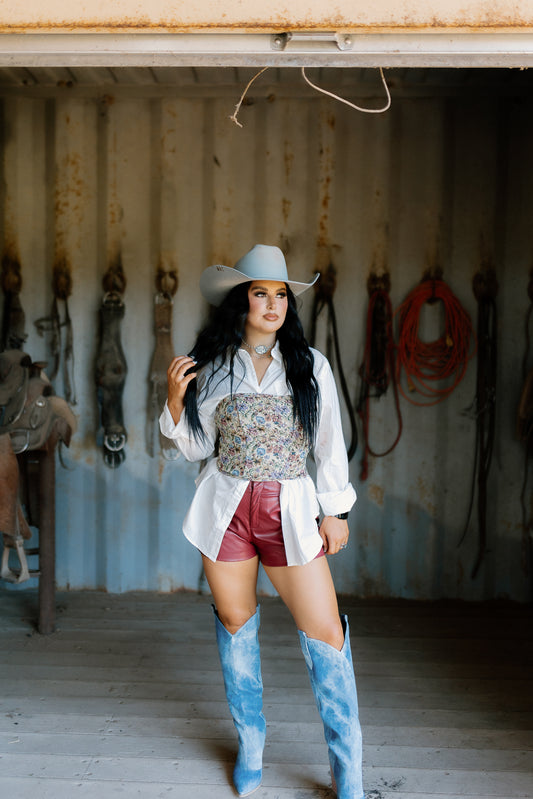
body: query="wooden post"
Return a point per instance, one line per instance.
(47, 549)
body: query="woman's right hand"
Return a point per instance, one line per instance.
(177, 384)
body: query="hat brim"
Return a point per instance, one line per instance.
(216, 281)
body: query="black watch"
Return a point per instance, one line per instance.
(341, 515)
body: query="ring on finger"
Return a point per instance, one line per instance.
(343, 546)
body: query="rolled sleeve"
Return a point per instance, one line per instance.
(335, 493)
(183, 438)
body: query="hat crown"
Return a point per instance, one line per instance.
(263, 262)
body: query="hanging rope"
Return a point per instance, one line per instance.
(377, 370)
(324, 291)
(348, 102)
(433, 369)
(485, 287)
(233, 117)
(387, 105)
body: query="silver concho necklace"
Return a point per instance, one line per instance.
(261, 350)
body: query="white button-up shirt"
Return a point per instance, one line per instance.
(218, 494)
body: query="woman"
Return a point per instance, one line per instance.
(255, 394)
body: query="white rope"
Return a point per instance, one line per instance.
(243, 95)
(347, 102)
(233, 117)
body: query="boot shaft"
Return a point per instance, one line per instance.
(333, 683)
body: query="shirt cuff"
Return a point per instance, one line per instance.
(333, 502)
(167, 425)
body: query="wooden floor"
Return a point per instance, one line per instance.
(126, 700)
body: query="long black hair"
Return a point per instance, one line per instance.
(221, 338)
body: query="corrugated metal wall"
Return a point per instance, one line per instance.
(437, 178)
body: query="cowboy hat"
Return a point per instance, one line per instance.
(262, 262)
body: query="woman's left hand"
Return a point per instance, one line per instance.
(334, 533)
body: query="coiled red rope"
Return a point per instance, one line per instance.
(433, 369)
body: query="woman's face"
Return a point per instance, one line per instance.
(267, 307)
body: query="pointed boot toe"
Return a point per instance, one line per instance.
(246, 781)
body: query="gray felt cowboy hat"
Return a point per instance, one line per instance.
(262, 262)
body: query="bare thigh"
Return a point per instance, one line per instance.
(309, 594)
(234, 589)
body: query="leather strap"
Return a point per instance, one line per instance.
(54, 324)
(324, 291)
(110, 376)
(163, 354)
(377, 371)
(485, 289)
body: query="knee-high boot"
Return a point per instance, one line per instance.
(241, 668)
(333, 683)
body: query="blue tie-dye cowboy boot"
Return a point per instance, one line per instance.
(333, 683)
(241, 668)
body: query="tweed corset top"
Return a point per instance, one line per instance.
(259, 438)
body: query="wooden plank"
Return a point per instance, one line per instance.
(403, 717)
(125, 671)
(131, 685)
(15, 723)
(171, 691)
(215, 772)
(29, 788)
(25, 788)
(185, 669)
(121, 641)
(303, 752)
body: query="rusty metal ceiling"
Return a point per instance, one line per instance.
(201, 80)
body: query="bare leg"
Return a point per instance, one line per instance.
(309, 594)
(233, 586)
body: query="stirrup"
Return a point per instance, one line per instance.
(16, 575)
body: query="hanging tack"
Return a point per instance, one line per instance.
(13, 335)
(166, 281)
(61, 279)
(377, 282)
(11, 275)
(114, 280)
(325, 287)
(485, 284)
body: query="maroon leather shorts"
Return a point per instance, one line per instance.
(255, 529)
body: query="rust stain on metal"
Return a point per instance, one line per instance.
(286, 209)
(376, 494)
(288, 159)
(70, 193)
(491, 18)
(326, 196)
(326, 170)
(426, 495)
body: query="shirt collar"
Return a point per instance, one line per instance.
(276, 352)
